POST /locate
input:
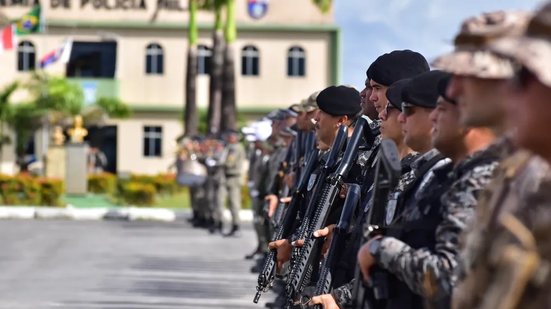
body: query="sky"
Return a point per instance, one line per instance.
(371, 28)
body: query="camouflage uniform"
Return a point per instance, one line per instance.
(507, 254)
(233, 159)
(411, 266)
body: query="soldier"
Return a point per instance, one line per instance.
(384, 71)
(507, 255)
(258, 164)
(412, 210)
(473, 168)
(233, 158)
(337, 106)
(215, 172)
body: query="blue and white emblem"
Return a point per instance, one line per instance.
(257, 8)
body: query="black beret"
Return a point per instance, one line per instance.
(394, 92)
(394, 66)
(443, 86)
(422, 90)
(339, 101)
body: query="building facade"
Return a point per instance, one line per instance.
(136, 50)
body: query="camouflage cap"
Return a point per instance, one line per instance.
(533, 49)
(472, 56)
(309, 104)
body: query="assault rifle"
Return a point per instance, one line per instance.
(266, 276)
(387, 174)
(317, 216)
(286, 166)
(325, 280)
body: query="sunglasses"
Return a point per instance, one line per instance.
(408, 109)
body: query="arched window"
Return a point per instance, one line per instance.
(296, 61)
(26, 56)
(154, 60)
(249, 61)
(204, 55)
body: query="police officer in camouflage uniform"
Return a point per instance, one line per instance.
(429, 270)
(412, 210)
(507, 254)
(381, 74)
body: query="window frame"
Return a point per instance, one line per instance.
(149, 141)
(154, 54)
(250, 59)
(26, 56)
(296, 61)
(204, 59)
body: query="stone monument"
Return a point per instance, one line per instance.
(76, 179)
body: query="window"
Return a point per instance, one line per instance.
(26, 56)
(154, 59)
(204, 56)
(152, 141)
(249, 61)
(296, 61)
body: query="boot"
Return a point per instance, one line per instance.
(234, 231)
(216, 227)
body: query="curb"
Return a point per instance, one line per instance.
(123, 213)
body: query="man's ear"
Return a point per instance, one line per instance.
(343, 120)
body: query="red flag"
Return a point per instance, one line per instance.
(7, 36)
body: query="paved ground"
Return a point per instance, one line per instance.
(117, 264)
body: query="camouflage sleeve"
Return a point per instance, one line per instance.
(343, 294)
(411, 266)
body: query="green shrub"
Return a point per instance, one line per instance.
(137, 193)
(164, 184)
(50, 191)
(105, 183)
(20, 190)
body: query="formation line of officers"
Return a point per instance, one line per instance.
(427, 189)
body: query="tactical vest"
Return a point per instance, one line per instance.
(415, 224)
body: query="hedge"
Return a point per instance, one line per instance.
(27, 190)
(105, 183)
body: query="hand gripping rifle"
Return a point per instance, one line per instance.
(266, 276)
(387, 174)
(318, 215)
(325, 280)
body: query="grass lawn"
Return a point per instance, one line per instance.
(177, 201)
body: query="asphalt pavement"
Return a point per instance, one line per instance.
(122, 264)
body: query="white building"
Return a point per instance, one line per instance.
(120, 51)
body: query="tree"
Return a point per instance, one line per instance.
(217, 61)
(53, 101)
(5, 113)
(190, 114)
(323, 5)
(229, 109)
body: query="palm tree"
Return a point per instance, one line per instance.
(5, 113)
(190, 114)
(229, 109)
(216, 69)
(323, 5)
